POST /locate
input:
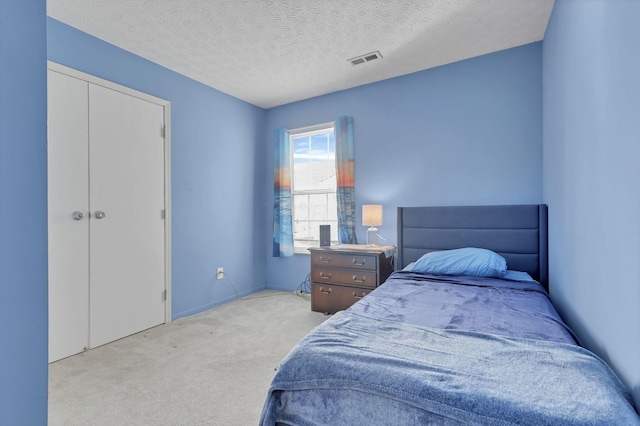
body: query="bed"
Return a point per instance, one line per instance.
(452, 346)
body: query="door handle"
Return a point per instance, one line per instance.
(77, 215)
(99, 214)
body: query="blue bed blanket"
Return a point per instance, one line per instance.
(358, 370)
(489, 305)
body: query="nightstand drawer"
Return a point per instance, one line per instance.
(343, 260)
(343, 276)
(332, 298)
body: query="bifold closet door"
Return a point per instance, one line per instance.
(126, 175)
(68, 192)
(106, 218)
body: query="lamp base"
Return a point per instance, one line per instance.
(372, 236)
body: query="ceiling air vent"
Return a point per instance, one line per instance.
(365, 58)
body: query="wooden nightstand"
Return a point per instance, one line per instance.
(343, 274)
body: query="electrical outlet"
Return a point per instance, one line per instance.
(220, 273)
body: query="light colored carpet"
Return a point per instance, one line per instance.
(213, 368)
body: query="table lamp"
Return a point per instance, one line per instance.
(372, 217)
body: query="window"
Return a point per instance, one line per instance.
(313, 185)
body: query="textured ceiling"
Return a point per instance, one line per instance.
(273, 52)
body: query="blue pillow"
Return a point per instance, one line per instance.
(465, 261)
(517, 276)
(409, 267)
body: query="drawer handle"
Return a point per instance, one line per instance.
(325, 277)
(323, 291)
(355, 262)
(356, 280)
(358, 297)
(325, 259)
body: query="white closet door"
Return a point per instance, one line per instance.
(126, 152)
(68, 238)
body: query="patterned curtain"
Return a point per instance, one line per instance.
(282, 220)
(345, 180)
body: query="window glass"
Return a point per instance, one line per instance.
(313, 187)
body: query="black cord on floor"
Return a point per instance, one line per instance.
(304, 289)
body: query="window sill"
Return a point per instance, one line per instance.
(305, 249)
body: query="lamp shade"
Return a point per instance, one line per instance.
(371, 215)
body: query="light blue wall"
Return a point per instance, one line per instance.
(464, 133)
(216, 168)
(23, 213)
(592, 174)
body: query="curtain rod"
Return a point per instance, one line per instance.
(313, 128)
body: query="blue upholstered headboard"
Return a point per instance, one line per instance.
(517, 232)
